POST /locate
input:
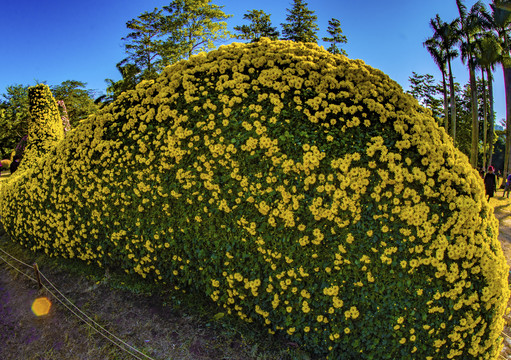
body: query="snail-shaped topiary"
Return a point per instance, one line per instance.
(296, 188)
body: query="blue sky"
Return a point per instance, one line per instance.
(54, 40)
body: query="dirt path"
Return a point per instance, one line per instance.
(504, 217)
(502, 208)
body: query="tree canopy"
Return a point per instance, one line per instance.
(260, 26)
(193, 26)
(14, 117)
(164, 36)
(144, 44)
(425, 90)
(77, 99)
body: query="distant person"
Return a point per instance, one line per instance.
(507, 188)
(15, 163)
(490, 182)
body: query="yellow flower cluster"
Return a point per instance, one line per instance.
(45, 129)
(293, 187)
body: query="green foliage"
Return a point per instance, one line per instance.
(424, 89)
(428, 93)
(14, 117)
(335, 31)
(145, 43)
(297, 189)
(301, 23)
(78, 100)
(260, 26)
(130, 74)
(15, 114)
(442, 47)
(165, 36)
(463, 119)
(500, 150)
(195, 26)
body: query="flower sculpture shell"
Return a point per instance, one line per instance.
(295, 188)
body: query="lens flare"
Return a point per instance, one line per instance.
(41, 306)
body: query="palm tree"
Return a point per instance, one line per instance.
(501, 19)
(440, 58)
(446, 34)
(489, 53)
(471, 24)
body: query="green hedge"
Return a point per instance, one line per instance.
(296, 188)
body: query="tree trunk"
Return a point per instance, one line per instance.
(446, 104)
(474, 151)
(190, 51)
(148, 60)
(453, 104)
(492, 115)
(485, 117)
(507, 85)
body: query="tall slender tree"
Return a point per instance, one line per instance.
(485, 112)
(193, 26)
(501, 20)
(439, 56)
(260, 26)
(447, 35)
(471, 23)
(144, 43)
(301, 23)
(164, 36)
(489, 53)
(335, 31)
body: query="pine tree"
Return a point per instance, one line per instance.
(301, 24)
(260, 26)
(335, 31)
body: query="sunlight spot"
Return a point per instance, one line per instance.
(41, 306)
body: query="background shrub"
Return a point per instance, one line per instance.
(295, 188)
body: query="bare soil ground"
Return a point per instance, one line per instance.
(159, 327)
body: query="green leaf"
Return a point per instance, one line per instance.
(218, 316)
